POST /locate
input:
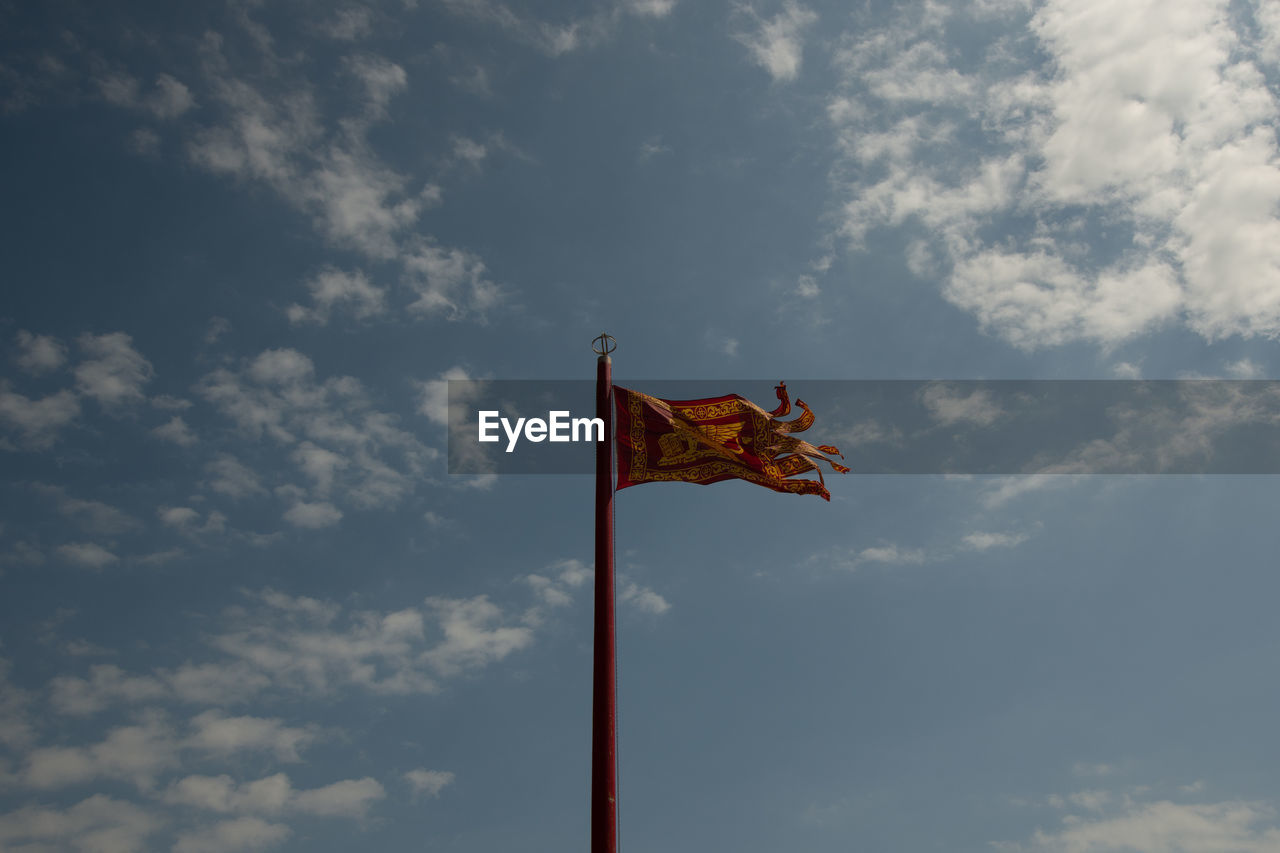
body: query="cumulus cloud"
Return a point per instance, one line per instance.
(135, 753)
(313, 516)
(92, 516)
(177, 431)
(113, 372)
(39, 353)
(89, 555)
(334, 289)
(642, 598)
(37, 422)
(948, 406)
(230, 477)
(345, 445)
(275, 795)
(100, 824)
(232, 836)
(428, 782)
(448, 282)
(217, 733)
(777, 44)
(1126, 161)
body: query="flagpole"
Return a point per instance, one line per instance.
(604, 699)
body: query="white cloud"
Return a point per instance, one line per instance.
(168, 98)
(92, 516)
(98, 824)
(134, 753)
(232, 478)
(1245, 368)
(16, 728)
(313, 516)
(107, 685)
(177, 431)
(474, 635)
(891, 554)
(40, 353)
(333, 288)
(349, 24)
(1134, 176)
(222, 735)
(113, 372)
(448, 282)
(428, 782)
(642, 598)
(653, 147)
(777, 44)
(37, 421)
(351, 798)
(90, 555)
(1162, 827)
(274, 795)
(238, 835)
(948, 406)
(278, 397)
(986, 541)
(177, 516)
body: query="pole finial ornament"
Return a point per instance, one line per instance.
(603, 344)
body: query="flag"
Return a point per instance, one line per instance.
(719, 438)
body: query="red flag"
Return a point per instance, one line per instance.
(719, 438)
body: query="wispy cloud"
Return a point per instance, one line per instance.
(777, 44)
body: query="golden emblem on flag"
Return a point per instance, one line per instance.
(714, 439)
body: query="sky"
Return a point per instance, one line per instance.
(245, 244)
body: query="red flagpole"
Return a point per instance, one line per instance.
(604, 700)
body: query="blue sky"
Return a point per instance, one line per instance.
(246, 608)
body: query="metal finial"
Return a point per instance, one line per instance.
(603, 344)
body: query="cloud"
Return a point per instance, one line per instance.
(332, 288)
(356, 451)
(107, 685)
(232, 478)
(474, 635)
(275, 795)
(428, 782)
(232, 836)
(177, 431)
(92, 516)
(40, 353)
(37, 421)
(16, 726)
(349, 24)
(948, 406)
(777, 44)
(313, 516)
(134, 753)
(890, 554)
(98, 824)
(1160, 827)
(987, 541)
(168, 98)
(301, 645)
(1131, 176)
(87, 554)
(113, 372)
(222, 735)
(448, 282)
(642, 598)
